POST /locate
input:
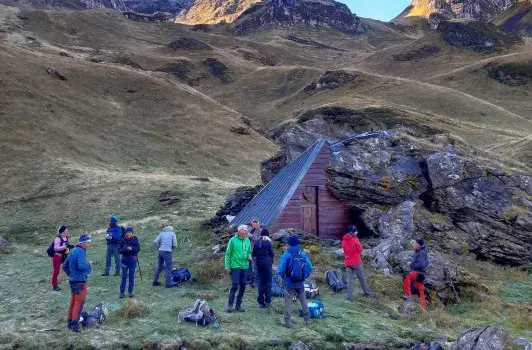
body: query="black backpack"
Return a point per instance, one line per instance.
(123, 233)
(335, 280)
(181, 275)
(51, 250)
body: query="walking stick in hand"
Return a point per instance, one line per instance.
(140, 271)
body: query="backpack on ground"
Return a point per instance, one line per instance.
(316, 309)
(277, 290)
(297, 270)
(311, 292)
(181, 275)
(335, 280)
(201, 313)
(51, 249)
(97, 315)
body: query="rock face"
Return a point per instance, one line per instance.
(152, 6)
(483, 338)
(327, 14)
(482, 10)
(233, 205)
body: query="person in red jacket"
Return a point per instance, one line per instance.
(353, 263)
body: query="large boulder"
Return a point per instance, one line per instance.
(398, 221)
(447, 169)
(483, 338)
(371, 218)
(465, 200)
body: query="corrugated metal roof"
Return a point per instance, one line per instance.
(268, 204)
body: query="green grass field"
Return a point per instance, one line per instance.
(28, 303)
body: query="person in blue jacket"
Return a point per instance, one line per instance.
(129, 248)
(113, 237)
(78, 269)
(292, 286)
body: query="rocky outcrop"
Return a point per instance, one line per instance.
(233, 205)
(483, 338)
(482, 10)
(152, 6)
(477, 36)
(326, 14)
(272, 166)
(156, 17)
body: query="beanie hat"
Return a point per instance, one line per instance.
(420, 241)
(129, 229)
(85, 238)
(293, 241)
(352, 229)
(114, 219)
(264, 232)
(62, 229)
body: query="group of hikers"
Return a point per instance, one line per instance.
(250, 253)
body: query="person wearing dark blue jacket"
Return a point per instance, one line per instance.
(129, 248)
(292, 287)
(78, 269)
(419, 263)
(113, 237)
(263, 255)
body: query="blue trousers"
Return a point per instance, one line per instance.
(128, 267)
(264, 273)
(112, 250)
(164, 263)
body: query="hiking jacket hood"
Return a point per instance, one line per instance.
(263, 251)
(352, 250)
(76, 266)
(284, 263)
(237, 253)
(129, 255)
(166, 240)
(420, 261)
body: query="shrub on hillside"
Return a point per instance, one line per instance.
(209, 269)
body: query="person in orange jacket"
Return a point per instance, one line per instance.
(353, 263)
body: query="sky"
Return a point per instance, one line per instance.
(383, 10)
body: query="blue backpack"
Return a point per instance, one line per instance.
(316, 309)
(298, 270)
(181, 275)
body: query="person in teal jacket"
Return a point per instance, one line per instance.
(237, 258)
(78, 269)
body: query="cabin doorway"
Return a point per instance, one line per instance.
(309, 209)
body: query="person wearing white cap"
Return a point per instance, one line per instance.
(165, 242)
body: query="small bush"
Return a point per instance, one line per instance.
(219, 70)
(209, 270)
(133, 308)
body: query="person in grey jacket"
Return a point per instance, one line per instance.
(165, 242)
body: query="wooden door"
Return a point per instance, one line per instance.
(309, 209)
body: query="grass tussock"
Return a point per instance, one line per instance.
(133, 309)
(520, 316)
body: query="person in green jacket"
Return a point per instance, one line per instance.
(237, 257)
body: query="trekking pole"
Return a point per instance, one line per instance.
(140, 271)
(448, 276)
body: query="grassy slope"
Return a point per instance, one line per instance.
(42, 308)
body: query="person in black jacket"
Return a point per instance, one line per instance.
(263, 253)
(129, 248)
(417, 272)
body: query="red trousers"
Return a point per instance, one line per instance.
(77, 298)
(56, 263)
(407, 282)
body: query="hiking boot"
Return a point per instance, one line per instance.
(69, 324)
(406, 297)
(117, 273)
(56, 288)
(155, 284)
(371, 295)
(105, 274)
(74, 326)
(131, 295)
(262, 306)
(307, 323)
(229, 309)
(286, 324)
(240, 309)
(122, 295)
(350, 300)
